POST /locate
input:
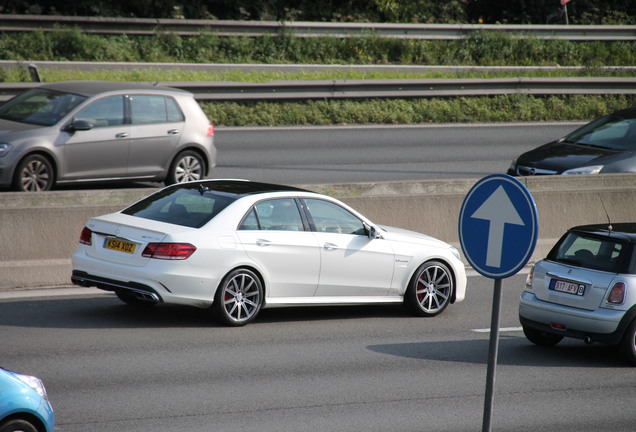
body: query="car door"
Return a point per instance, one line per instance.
(156, 127)
(102, 151)
(273, 235)
(351, 264)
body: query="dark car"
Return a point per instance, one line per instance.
(585, 289)
(606, 145)
(79, 131)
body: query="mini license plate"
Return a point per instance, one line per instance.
(120, 245)
(567, 287)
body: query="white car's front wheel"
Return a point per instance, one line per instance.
(429, 291)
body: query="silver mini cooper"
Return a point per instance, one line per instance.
(585, 288)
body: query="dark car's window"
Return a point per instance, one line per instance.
(180, 206)
(329, 217)
(108, 111)
(606, 254)
(148, 109)
(40, 107)
(277, 214)
(614, 132)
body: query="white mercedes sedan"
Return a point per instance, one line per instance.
(237, 246)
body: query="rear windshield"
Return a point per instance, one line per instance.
(598, 253)
(181, 205)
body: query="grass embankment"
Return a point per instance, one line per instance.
(479, 49)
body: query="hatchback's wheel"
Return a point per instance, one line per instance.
(628, 344)
(187, 166)
(540, 338)
(239, 298)
(17, 425)
(34, 174)
(429, 291)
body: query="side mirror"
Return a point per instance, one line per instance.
(79, 125)
(372, 231)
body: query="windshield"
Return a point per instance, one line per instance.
(40, 107)
(184, 205)
(613, 132)
(599, 253)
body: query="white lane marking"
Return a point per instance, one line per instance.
(502, 329)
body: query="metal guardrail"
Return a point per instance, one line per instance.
(146, 26)
(399, 88)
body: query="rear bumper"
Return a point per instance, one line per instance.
(601, 325)
(140, 291)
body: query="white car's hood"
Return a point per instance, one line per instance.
(403, 235)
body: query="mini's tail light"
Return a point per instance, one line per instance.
(168, 251)
(210, 130)
(617, 294)
(529, 278)
(86, 237)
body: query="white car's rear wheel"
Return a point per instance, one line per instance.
(239, 298)
(430, 290)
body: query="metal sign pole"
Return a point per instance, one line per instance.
(492, 356)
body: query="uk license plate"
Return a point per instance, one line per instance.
(120, 245)
(567, 287)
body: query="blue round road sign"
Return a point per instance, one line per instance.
(498, 226)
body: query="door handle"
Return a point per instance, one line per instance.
(173, 131)
(330, 246)
(122, 135)
(262, 242)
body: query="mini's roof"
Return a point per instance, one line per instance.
(625, 231)
(90, 88)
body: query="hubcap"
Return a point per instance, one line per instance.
(188, 169)
(242, 297)
(433, 289)
(35, 176)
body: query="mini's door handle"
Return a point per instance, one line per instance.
(122, 135)
(330, 246)
(173, 131)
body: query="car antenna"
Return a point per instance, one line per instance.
(609, 222)
(202, 188)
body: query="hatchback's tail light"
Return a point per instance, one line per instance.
(86, 237)
(210, 130)
(617, 294)
(168, 251)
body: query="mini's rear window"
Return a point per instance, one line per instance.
(180, 205)
(598, 253)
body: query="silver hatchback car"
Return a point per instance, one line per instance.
(585, 288)
(87, 131)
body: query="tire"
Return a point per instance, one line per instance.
(430, 289)
(34, 174)
(628, 344)
(187, 166)
(540, 338)
(239, 298)
(131, 300)
(17, 425)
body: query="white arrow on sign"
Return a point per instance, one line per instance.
(499, 210)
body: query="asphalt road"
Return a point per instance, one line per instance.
(109, 367)
(341, 154)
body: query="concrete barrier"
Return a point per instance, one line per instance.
(39, 231)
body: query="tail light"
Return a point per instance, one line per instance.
(168, 251)
(86, 237)
(529, 278)
(617, 294)
(210, 130)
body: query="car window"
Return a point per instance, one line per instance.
(604, 254)
(108, 111)
(330, 217)
(277, 214)
(148, 109)
(609, 131)
(40, 107)
(186, 206)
